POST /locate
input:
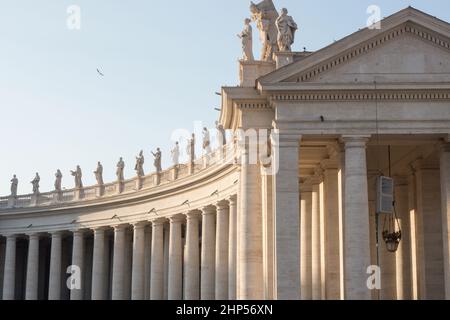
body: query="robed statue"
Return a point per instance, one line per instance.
(286, 31)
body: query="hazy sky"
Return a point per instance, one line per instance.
(162, 60)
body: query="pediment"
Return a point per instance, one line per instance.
(411, 47)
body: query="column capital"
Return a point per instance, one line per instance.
(34, 235)
(208, 210)
(222, 205)
(232, 199)
(11, 236)
(178, 218)
(329, 164)
(79, 232)
(56, 234)
(139, 225)
(355, 141)
(194, 214)
(444, 146)
(100, 229)
(120, 227)
(158, 221)
(305, 186)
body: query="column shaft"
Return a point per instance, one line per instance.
(157, 261)
(287, 218)
(306, 245)
(232, 252)
(32, 281)
(192, 258)
(356, 220)
(118, 281)
(9, 278)
(315, 242)
(138, 276)
(175, 282)
(222, 228)
(77, 278)
(54, 288)
(99, 265)
(445, 207)
(207, 291)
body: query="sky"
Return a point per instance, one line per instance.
(162, 62)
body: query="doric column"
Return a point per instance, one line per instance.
(232, 252)
(54, 287)
(356, 219)
(445, 207)
(192, 258)
(76, 293)
(332, 229)
(138, 268)
(285, 151)
(157, 261)
(403, 254)
(31, 292)
(315, 240)
(222, 227)
(207, 289)
(250, 251)
(9, 279)
(118, 283)
(305, 223)
(175, 290)
(99, 265)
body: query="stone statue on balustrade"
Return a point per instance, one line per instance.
(58, 181)
(78, 175)
(206, 141)
(286, 31)
(35, 183)
(139, 167)
(99, 174)
(175, 152)
(246, 37)
(157, 161)
(221, 134)
(265, 15)
(119, 170)
(191, 148)
(14, 185)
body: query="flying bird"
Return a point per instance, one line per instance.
(100, 73)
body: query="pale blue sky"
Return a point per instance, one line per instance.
(162, 60)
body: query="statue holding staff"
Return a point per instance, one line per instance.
(139, 167)
(78, 175)
(99, 174)
(35, 183)
(157, 161)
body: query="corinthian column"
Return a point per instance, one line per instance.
(98, 265)
(31, 292)
(356, 219)
(54, 287)
(222, 227)
(9, 278)
(208, 255)
(192, 258)
(175, 291)
(138, 276)
(157, 261)
(76, 292)
(118, 281)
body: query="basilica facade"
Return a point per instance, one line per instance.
(298, 220)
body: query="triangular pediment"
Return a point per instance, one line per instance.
(411, 46)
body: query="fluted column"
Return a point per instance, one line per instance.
(207, 290)
(222, 227)
(192, 258)
(138, 268)
(175, 290)
(315, 241)
(78, 261)
(9, 279)
(445, 208)
(99, 265)
(286, 202)
(356, 219)
(31, 292)
(118, 283)
(232, 246)
(54, 287)
(306, 267)
(157, 261)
